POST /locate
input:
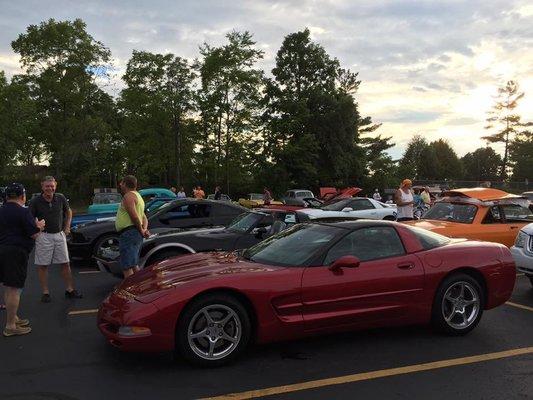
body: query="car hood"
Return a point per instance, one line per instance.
(153, 282)
(528, 229)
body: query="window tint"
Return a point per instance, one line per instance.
(361, 204)
(493, 216)
(429, 240)
(456, 212)
(189, 211)
(515, 212)
(304, 194)
(367, 244)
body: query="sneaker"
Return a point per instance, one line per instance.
(22, 323)
(19, 330)
(74, 294)
(45, 298)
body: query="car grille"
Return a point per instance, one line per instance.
(529, 244)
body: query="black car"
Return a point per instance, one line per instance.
(87, 240)
(243, 232)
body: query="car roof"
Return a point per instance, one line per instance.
(482, 194)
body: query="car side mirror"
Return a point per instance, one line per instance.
(344, 262)
(347, 209)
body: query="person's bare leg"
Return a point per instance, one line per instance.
(66, 273)
(43, 278)
(12, 299)
(130, 271)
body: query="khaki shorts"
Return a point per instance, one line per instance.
(51, 248)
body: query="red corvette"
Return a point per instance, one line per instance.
(310, 279)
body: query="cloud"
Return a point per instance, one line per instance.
(429, 67)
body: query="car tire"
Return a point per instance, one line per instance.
(101, 240)
(165, 255)
(224, 342)
(458, 304)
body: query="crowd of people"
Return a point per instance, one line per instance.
(43, 227)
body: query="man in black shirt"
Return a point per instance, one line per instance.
(51, 245)
(18, 229)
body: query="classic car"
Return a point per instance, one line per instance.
(87, 240)
(354, 207)
(523, 251)
(253, 200)
(244, 231)
(109, 202)
(313, 278)
(223, 197)
(295, 197)
(477, 213)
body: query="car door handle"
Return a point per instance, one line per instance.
(406, 266)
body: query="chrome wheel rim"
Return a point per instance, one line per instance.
(214, 332)
(460, 305)
(110, 243)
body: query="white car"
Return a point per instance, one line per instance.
(523, 251)
(354, 207)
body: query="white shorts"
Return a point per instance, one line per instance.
(51, 248)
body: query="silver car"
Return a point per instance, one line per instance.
(523, 251)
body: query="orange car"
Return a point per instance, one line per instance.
(478, 213)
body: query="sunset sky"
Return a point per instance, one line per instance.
(427, 67)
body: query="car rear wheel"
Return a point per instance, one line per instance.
(213, 330)
(458, 304)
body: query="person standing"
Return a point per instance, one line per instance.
(181, 194)
(131, 224)
(51, 244)
(376, 196)
(218, 193)
(267, 197)
(199, 194)
(18, 229)
(404, 201)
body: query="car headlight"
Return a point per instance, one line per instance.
(521, 239)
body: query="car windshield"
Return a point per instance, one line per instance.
(157, 206)
(244, 222)
(456, 212)
(256, 196)
(107, 198)
(296, 246)
(428, 239)
(337, 205)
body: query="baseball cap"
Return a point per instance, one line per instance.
(15, 190)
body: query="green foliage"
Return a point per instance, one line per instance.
(483, 164)
(521, 156)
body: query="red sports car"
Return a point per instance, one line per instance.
(310, 279)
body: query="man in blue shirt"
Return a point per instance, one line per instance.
(18, 230)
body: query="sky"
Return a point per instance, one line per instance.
(427, 67)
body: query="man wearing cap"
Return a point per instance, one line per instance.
(404, 201)
(51, 245)
(18, 229)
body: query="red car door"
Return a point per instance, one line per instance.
(385, 287)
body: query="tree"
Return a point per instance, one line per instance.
(156, 107)
(313, 122)
(503, 119)
(62, 63)
(229, 102)
(7, 142)
(409, 165)
(521, 156)
(483, 164)
(448, 165)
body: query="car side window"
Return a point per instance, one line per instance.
(361, 204)
(189, 211)
(493, 216)
(367, 244)
(515, 212)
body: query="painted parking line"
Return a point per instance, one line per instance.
(509, 303)
(372, 375)
(520, 274)
(91, 271)
(82, 312)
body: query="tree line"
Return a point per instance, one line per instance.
(216, 120)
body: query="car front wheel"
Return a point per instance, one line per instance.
(458, 304)
(213, 330)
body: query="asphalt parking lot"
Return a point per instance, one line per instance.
(66, 358)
